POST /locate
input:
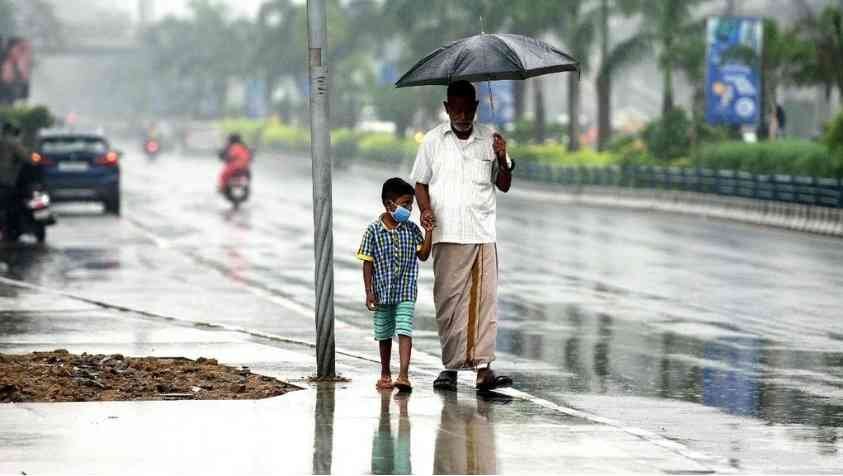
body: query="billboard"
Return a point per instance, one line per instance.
(15, 69)
(503, 95)
(733, 93)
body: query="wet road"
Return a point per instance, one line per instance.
(725, 337)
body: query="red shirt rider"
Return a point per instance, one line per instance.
(238, 158)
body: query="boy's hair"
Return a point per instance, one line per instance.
(462, 88)
(394, 188)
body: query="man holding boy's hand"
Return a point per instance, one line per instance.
(457, 169)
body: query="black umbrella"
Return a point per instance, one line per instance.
(488, 58)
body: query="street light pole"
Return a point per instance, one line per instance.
(320, 151)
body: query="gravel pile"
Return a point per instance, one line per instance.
(60, 376)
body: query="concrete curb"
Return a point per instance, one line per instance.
(805, 218)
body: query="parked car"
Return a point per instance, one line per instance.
(80, 167)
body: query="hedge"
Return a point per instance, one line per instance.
(279, 136)
(556, 154)
(790, 157)
(29, 119)
(386, 147)
(250, 129)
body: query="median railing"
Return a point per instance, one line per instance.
(824, 192)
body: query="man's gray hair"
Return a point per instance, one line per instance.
(462, 89)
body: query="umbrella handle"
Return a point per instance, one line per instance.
(491, 101)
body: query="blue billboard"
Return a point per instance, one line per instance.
(733, 93)
(503, 95)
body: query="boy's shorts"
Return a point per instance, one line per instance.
(392, 319)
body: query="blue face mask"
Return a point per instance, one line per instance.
(400, 214)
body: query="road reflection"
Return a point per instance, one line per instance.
(323, 433)
(391, 452)
(465, 442)
(719, 367)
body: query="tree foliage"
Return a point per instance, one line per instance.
(823, 48)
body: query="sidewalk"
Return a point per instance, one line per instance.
(345, 428)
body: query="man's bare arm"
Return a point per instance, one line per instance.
(423, 197)
(504, 180)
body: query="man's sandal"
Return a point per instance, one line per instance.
(447, 380)
(403, 385)
(493, 381)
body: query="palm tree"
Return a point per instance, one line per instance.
(664, 24)
(607, 68)
(821, 64)
(533, 18)
(438, 22)
(781, 59)
(278, 26)
(577, 33)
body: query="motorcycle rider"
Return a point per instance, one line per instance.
(237, 158)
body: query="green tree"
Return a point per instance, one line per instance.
(577, 33)
(783, 55)
(534, 18)
(280, 24)
(609, 65)
(439, 22)
(354, 30)
(664, 24)
(37, 18)
(820, 62)
(195, 58)
(690, 61)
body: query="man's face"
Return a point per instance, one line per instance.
(461, 111)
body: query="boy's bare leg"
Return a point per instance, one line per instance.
(386, 354)
(405, 348)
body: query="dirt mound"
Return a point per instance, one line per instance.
(60, 376)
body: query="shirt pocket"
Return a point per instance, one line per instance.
(480, 170)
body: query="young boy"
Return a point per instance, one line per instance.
(390, 251)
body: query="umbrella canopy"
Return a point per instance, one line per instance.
(488, 58)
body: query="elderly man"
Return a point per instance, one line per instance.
(457, 168)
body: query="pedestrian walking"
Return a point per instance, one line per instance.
(390, 250)
(457, 169)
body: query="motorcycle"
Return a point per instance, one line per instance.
(238, 188)
(32, 217)
(152, 148)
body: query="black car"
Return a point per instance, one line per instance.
(80, 167)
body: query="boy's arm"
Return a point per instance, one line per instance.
(368, 271)
(424, 249)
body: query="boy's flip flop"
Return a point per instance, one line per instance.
(447, 380)
(493, 381)
(403, 385)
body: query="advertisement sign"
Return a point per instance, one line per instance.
(733, 91)
(15, 69)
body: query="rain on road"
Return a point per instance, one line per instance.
(723, 336)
